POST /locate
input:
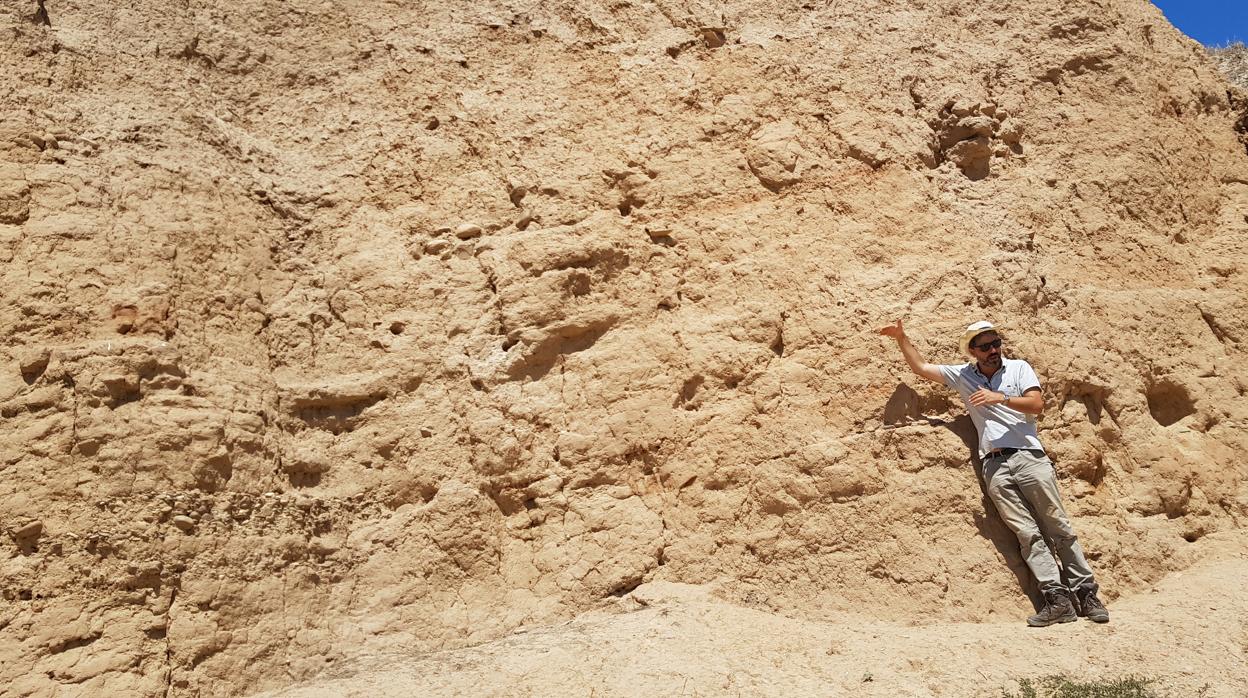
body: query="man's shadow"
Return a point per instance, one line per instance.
(903, 406)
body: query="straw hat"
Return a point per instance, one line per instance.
(974, 330)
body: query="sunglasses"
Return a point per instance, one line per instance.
(994, 344)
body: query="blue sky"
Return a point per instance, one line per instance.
(1211, 22)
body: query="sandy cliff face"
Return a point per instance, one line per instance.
(335, 325)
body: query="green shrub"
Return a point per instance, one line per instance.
(1064, 687)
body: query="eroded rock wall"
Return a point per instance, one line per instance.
(333, 324)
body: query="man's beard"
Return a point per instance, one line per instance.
(993, 361)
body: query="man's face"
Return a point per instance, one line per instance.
(987, 349)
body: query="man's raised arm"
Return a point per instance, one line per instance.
(916, 362)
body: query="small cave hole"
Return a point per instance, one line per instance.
(661, 237)
(626, 209)
(41, 17)
(432, 124)
(34, 371)
(777, 346)
(578, 284)
(713, 37)
(625, 587)
(303, 480)
(688, 391)
(397, 327)
(1169, 402)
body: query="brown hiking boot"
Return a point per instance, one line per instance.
(1089, 605)
(1057, 609)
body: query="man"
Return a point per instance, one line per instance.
(1002, 396)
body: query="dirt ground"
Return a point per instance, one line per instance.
(1188, 633)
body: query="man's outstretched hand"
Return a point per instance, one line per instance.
(913, 359)
(893, 331)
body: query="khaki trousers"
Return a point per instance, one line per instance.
(1023, 486)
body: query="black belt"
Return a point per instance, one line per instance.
(1007, 452)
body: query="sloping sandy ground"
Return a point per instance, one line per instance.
(1188, 633)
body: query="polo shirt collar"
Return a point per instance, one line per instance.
(975, 368)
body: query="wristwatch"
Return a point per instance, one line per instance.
(1007, 400)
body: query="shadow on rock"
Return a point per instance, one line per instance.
(989, 522)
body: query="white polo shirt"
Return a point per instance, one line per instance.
(999, 426)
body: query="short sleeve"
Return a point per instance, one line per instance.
(1027, 378)
(950, 373)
